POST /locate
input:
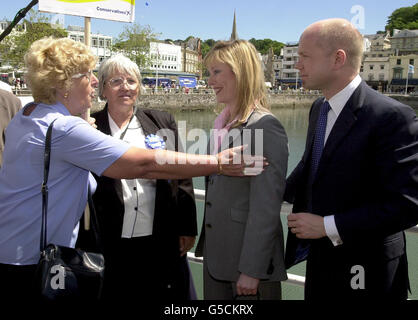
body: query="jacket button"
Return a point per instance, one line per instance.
(208, 204)
(208, 225)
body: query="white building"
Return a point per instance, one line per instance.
(375, 69)
(100, 44)
(290, 75)
(165, 57)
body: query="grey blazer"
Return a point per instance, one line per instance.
(242, 230)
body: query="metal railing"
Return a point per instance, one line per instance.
(286, 209)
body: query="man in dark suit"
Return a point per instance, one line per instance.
(356, 188)
(153, 267)
(9, 106)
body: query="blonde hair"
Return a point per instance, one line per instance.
(245, 63)
(52, 62)
(117, 63)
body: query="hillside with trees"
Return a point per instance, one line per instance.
(403, 18)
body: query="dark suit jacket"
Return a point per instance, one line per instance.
(368, 179)
(9, 106)
(175, 209)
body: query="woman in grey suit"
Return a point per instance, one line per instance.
(242, 238)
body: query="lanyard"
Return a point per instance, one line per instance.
(126, 129)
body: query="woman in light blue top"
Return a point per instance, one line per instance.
(59, 73)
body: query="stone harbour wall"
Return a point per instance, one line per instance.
(203, 101)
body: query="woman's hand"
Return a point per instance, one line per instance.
(232, 162)
(92, 122)
(246, 285)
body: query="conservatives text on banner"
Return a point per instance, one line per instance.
(118, 10)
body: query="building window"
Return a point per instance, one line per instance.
(371, 76)
(94, 42)
(382, 67)
(371, 67)
(381, 76)
(101, 43)
(398, 62)
(397, 73)
(411, 61)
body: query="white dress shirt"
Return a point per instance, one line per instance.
(337, 103)
(138, 194)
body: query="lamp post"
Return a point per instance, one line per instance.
(296, 80)
(156, 76)
(410, 71)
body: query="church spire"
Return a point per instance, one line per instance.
(234, 35)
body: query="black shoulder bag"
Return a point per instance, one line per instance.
(65, 273)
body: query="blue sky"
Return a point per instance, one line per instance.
(280, 20)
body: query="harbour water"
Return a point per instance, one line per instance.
(295, 122)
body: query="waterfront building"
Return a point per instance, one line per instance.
(164, 57)
(404, 44)
(166, 64)
(289, 74)
(399, 67)
(268, 67)
(404, 41)
(191, 56)
(375, 68)
(276, 67)
(101, 45)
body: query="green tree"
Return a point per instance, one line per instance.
(134, 42)
(403, 18)
(263, 45)
(15, 45)
(206, 45)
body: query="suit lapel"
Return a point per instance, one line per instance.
(343, 125)
(236, 133)
(148, 126)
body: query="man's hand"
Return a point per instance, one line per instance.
(247, 285)
(186, 243)
(306, 225)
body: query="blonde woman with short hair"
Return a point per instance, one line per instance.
(242, 237)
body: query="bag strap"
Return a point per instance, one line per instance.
(47, 158)
(93, 216)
